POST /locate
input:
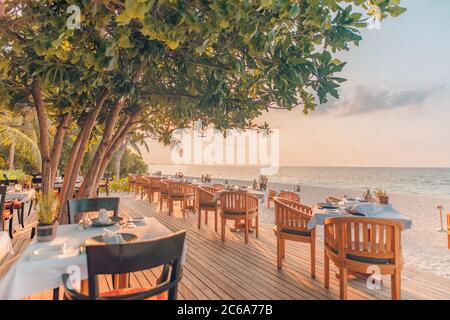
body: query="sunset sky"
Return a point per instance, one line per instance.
(394, 109)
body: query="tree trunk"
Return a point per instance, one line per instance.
(58, 142)
(12, 150)
(93, 175)
(87, 186)
(112, 151)
(118, 158)
(77, 153)
(44, 146)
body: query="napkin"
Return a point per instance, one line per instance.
(111, 237)
(48, 252)
(367, 209)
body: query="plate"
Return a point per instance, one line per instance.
(137, 219)
(327, 206)
(98, 224)
(127, 237)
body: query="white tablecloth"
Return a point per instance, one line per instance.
(23, 196)
(29, 276)
(5, 245)
(386, 212)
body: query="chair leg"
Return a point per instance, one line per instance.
(222, 226)
(283, 248)
(257, 225)
(279, 253)
(326, 270)
(206, 217)
(199, 218)
(11, 230)
(30, 207)
(246, 230)
(22, 211)
(343, 275)
(313, 258)
(56, 293)
(395, 286)
(215, 220)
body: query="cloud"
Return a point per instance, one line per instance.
(374, 99)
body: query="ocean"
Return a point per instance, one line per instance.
(426, 181)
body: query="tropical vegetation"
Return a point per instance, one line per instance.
(150, 67)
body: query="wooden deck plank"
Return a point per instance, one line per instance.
(234, 270)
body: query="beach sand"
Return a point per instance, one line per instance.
(424, 246)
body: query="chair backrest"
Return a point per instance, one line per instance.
(272, 194)
(291, 214)
(289, 195)
(3, 190)
(176, 189)
(77, 206)
(219, 186)
(126, 258)
(364, 237)
(155, 183)
(140, 179)
(206, 195)
(131, 178)
(237, 202)
(164, 185)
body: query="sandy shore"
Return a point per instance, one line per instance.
(424, 246)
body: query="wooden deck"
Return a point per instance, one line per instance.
(233, 270)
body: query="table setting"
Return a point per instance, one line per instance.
(67, 251)
(356, 207)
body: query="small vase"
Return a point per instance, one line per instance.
(46, 232)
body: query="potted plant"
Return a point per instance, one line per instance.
(47, 211)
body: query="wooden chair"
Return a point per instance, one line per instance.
(104, 184)
(153, 186)
(131, 182)
(291, 219)
(78, 206)
(448, 229)
(219, 186)
(272, 194)
(289, 195)
(138, 184)
(163, 192)
(132, 257)
(6, 211)
(183, 193)
(207, 202)
(238, 206)
(358, 244)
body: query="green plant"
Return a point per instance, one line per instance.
(47, 208)
(18, 175)
(120, 185)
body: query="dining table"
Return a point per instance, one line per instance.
(368, 209)
(21, 279)
(5, 245)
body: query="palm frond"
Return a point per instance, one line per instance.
(25, 146)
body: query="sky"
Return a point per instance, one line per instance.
(394, 110)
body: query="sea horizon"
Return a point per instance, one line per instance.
(433, 181)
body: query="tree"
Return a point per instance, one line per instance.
(153, 66)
